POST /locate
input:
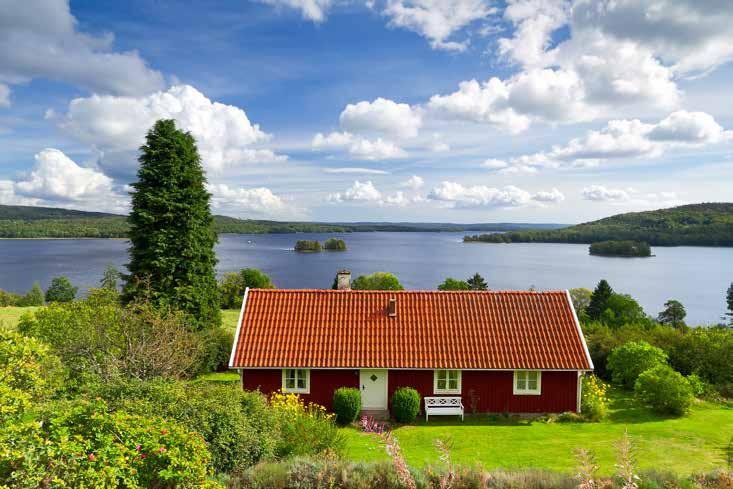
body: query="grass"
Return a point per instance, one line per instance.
(229, 319)
(693, 443)
(9, 316)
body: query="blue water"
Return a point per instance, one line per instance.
(698, 277)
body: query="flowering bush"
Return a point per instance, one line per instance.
(304, 429)
(370, 425)
(594, 402)
(82, 444)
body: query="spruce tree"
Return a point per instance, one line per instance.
(599, 300)
(172, 255)
(477, 282)
(729, 300)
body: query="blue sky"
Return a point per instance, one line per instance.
(399, 110)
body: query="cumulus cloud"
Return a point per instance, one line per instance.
(453, 194)
(625, 139)
(358, 147)
(599, 193)
(381, 117)
(534, 21)
(494, 164)
(414, 182)
(57, 180)
(39, 39)
(437, 20)
(245, 201)
(631, 197)
(314, 10)
(367, 193)
(116, 126)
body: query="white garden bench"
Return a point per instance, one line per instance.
(443, 406)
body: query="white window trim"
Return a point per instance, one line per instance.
(296, 390)
(528, 392)
(446, 391)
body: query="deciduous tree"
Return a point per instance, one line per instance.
(61, 290)
(673, 314)
(454, 284)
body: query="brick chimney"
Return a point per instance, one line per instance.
(343, 280)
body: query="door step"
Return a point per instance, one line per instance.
(380, 414)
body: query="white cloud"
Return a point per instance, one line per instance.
(554, 196)
(39, 39)
(627, 139)
(113, 125)
(437, 20)
(358, 147)
(4, 95)
(314, 10)
(494, 164)
(599, 193)
(439, 147)
(358, 192)
(415, 182)
(244, 201)
(381, 117)
(534, 21)
(349, 170)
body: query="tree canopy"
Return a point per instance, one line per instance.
(233, 285)
(377, 281)
(454, 284)
(477, 282)
(171, 228)
(61, 290)
(673, 314)
(599, 300)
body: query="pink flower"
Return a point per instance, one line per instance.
(91, 457)
(138, 447)
(161, 449)
(164, 431)
(142, 456)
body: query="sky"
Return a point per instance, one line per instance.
(378, 110)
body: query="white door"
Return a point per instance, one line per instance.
(373, 388)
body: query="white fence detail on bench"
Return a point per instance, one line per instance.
(443, 406)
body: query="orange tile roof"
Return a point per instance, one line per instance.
(461, 330)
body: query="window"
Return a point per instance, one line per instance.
(527, 382)
(447, 382)
(296, 380)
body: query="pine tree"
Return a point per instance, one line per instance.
(110, 278)
(729, 300)
(477, 282)
(599, 300)
(172, 255)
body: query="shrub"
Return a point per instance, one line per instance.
(664, 390)
(82, 444)
(238, 426)
(8, 298)
(99, 337)
(454, 284)
(346, 404)
(377, 281)
(33, 297)
(61, 290)
(405, 404)
(626, 362)
(304, 429)
(698, 386)
(233, 285)
(215, 346)
(334, 244)
(594, 402)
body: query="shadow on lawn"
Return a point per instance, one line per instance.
(623, 409)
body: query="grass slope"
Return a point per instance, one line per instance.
(9, 316)
(684, 445)
(692, 225)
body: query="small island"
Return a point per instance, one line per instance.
(306, 246)
(623, 248)
(334, 244)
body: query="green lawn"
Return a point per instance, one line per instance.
(693, 443)
(9, 316)
(229, 319)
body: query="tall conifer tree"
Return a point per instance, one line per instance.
(172, 255)
(599, 300)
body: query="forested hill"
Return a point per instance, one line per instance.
(708, 224)
(51, 222)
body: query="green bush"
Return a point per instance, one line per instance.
(33, 297)
(305, 245)
(233, 285)
(405, 404)
(377, 281)
(664, 390)
(82, 444)
(626, 362)
(238, 426)
(9, 298)
(346, 405)
(698, 386)
(61, 290)
(215, 346)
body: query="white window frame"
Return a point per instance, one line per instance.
(296, 389)
(446, 390)
(526, 391)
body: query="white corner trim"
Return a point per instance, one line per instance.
(580, 330)
(239, 328)
(579, 393)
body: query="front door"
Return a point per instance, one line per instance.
(373, 388)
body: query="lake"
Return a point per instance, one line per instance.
(696, 276)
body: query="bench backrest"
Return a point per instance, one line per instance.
(442, 402)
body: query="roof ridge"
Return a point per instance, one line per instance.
(418, 291)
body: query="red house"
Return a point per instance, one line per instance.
(503, 352)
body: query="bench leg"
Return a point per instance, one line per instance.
(426, 417)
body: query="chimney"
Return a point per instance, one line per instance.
(392, 307)
(343, 280)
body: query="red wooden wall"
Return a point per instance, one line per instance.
(491, 389)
